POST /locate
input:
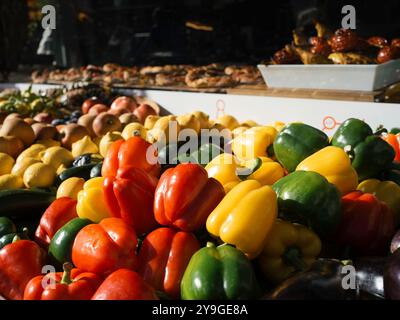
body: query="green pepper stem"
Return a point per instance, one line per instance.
(16, 238)
(292, 257)
(210, 245)
(66, 278)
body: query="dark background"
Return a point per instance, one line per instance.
(154, 31)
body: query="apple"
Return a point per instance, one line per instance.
(105, 123)
(98, 108)
(89, 103)
(124, 102)
(143, 111)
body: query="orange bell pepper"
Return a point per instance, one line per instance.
(394, 141)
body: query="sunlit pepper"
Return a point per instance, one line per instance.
(91, 201)
(244, 217)
(289, 248)
(335, 165)
(394, 141)
(386, 191)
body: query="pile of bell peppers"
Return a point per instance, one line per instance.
(285, 209)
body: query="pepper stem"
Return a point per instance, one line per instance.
(292, 257)
(210, 244)
(66, 278)
(16, 238)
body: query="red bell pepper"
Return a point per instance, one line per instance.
(367, 224)
(60, 212)
(20, 261)
(394, 141)
(72, 284)
(105, 247)
(130, 196)
(124, 284)
(163, 258)
(185, 197)
(134, 152)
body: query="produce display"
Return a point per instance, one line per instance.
(123, 207)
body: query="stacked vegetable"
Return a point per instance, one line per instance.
(127, 211)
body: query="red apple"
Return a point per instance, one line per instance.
(43, 117)
(143, 111)
(119, 111)
(124, 102)
(88, 103)
(98, 108)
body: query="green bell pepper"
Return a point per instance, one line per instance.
(204, 154)
(308, 198)
(370, 155)
(297, 142)
(7, 231)
(60, 247)
(219, 273)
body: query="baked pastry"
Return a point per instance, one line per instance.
(206, 77)
(350, 58)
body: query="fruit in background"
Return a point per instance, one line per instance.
(124, 102)
(18, 128)
(189, 121)
(127, 118)
(56, 156)
(30, 121)
(119, 111)
(10, 181)
(143, 111)
(161, 130)
(13, 116)
(84, 146)
(44, 131)
(104, 123)
(21, 165)
(32, 152)
(87, 121)
(6, 163)
(107, 140)
(43, 117)
(70, 188)
(39, 175)
(72, 133)
(134, 130)
(150, 122)
(228, 121)
(48, 143)
(203, 119)
(11, 145)
(89, 103)
(98, 108)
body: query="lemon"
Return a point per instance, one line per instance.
(84, 146)
(20, 167)
(10, 181)
(228, 121)
(39, 175)
(56, 156)
(6, 163)
(134, 129)
(70, 188)
(48, 143)
(108, 140)
(32, 152)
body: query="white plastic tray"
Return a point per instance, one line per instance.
(332, 77)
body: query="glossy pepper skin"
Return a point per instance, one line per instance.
(124, 284)
(7, 231)
(308, 198)
(185, 196)
(163, 258)
(72, 284)
(134, 152)
(335, 165)
(105, 247)
(219, 273)
(289, 248)
(130, 196)
(367, 225)
(20, 261)
(386, 191)
(92, 201)
(296, 142)
(394, 141)
(56, 215)
(370, 155)
(248, 207)
(61, 245)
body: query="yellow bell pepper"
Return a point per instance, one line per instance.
(91, 203)
(254, 143)
(335, 165)
(245, 217)
(269, 172)
(386, 191)
(288, 248)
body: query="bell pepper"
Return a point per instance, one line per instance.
(203, 155)
(247, 208)
(124, 284)
(367, 225)
(308, 198)
(394, 141)
(335, 165)
(56, 215)
(163, 258)
(7, 231)
(60, 248)
(91, 201)
(134, 152)
(72, 284)
(254, 142)
(105, 247)
(226, 169)
(185, 196)
(289, 248)
(296, 142)
(386, 191)
(20, 261)
(130, 196)
(219, 273)
(370, 154)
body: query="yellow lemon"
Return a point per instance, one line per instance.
(32, 152)
(70, 188)
(84, 146)
(134, 129)
(56, 156)
(39, 175)
(108, 140)
(6, 163)
(10, 181)
(48, 143)
(20, 167)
